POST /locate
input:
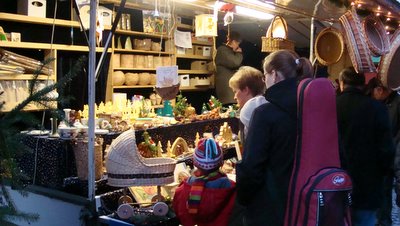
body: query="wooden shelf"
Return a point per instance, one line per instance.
(202, 43)
(31, 107)
(194, 88)
(134, 69)
(197, 72)
(128, 4)
(185, 26)
(193, 57)
(139, 33)
(142, 51)
(133, 87)
(35, 45)
(25, 77)
(157, 106)
(37, 20)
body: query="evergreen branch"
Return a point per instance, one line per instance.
(11, 146)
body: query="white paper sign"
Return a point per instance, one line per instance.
(84, 12)
(167, 76)
(183, 39)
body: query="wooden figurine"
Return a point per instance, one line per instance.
(197, 139)
(159, 149)
(169, 151)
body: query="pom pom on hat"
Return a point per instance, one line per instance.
(208, 154)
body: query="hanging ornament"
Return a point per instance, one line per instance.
(228, 18)
(228, 7)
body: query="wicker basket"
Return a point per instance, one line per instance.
(80, 148)
(355, 41)
(126, 167)
(376, 37)
(270, 43)
(329, 46)
(389, 65)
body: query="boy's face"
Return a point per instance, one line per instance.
(242, 96)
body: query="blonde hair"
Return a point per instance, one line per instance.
(250, 77)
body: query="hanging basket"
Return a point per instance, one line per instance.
(355, 41)
(271, 43)
(389, 65)
(329, 46)
(376, 37)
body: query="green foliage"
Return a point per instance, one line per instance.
(180, 105)
(214, 103)
(10, 146)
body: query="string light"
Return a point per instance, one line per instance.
(378, 14)
(359, 5)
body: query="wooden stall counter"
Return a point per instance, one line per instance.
(51, 163)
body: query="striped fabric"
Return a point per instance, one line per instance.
(197, 189)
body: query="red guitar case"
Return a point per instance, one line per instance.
(319, 191)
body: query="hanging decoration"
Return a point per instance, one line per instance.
(329, 46)
(276, 37)
(206, 26)
(228, 18)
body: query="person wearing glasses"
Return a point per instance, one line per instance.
(263, 174)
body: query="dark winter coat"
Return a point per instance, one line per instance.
(393, 105)
(392, 102)
(227, 62)
(367, 145)
(263, 174)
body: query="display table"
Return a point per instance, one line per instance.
(52, 160)
(186, 131)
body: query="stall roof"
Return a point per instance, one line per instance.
(298, 14)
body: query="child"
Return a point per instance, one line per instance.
(207, 197)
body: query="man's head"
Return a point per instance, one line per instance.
(376, 90)
(348, 77)
(233, 40)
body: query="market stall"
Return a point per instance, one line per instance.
(338, 34)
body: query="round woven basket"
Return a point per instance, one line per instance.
(376, 37)
(329, 46)
(126, 167)
(355, 42)
(389, 66)
(394, 36)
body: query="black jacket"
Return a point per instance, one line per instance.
(368, 150)
(263, 174)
